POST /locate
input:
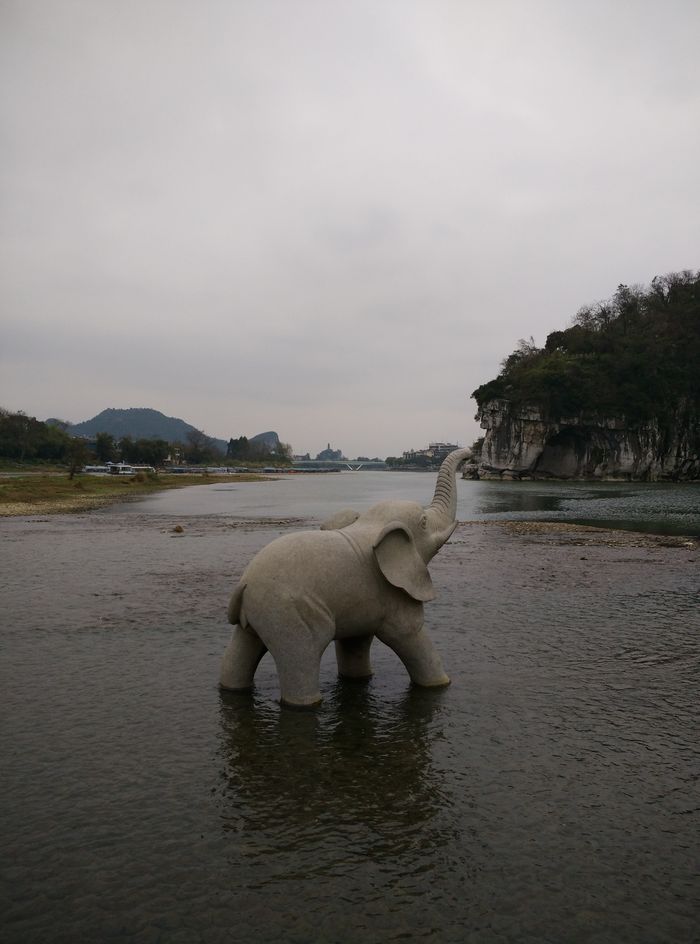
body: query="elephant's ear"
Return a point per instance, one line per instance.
(401, 563)
(341, 519)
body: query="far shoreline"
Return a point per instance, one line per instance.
(52, 493)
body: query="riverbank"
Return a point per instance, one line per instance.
(51, 493)
(558, 532)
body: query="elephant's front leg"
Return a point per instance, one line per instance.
(415, 649)
(353, 657)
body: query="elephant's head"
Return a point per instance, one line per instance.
(404, 536)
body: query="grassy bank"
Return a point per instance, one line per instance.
(39, 494)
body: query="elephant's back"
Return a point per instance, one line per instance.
(321, 572)
(299, 555)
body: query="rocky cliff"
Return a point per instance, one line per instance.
(616, 395)
(521, 442)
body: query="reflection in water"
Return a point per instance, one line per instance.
(324, 791)
(496, 498)
(659, 508)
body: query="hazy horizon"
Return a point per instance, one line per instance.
(331, 219)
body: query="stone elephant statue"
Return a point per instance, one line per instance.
(359, 576)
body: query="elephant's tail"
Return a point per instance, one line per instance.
(236, 604)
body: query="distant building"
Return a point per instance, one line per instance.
(435, 452)
(330, 455)
(441, 449)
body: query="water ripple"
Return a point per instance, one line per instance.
(550, 794)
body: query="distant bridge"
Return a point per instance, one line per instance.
(337, 465)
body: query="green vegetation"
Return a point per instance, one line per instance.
(27, 442)
(153, 452)
(24, 438)
(44, 494)
(636, 355)
(258, 451)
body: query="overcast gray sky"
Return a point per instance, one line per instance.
(332, 219)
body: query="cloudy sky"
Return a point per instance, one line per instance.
(330, 218)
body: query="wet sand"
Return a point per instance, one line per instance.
(80, 503)
(549, 794)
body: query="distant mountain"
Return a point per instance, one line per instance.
(271, 440)
(143, 423)
(139, 423)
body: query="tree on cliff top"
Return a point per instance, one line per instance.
(634, 355)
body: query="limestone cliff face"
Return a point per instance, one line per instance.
(520, 442)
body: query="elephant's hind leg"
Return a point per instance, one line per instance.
(298, 660)
(297, 648)
(241, 659)
(353, 657)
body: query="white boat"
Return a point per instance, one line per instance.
(120, 468)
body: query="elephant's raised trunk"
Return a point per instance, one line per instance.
(442, 511)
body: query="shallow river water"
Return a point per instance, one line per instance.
(652, 507)
(550, 794)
